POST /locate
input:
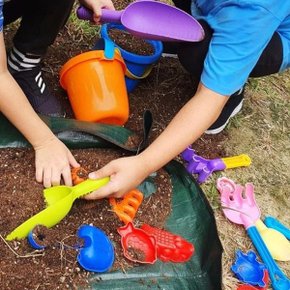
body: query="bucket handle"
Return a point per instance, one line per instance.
(109, 48)
(109, 51)
(130, 75)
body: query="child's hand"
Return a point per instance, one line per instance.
(52, 161)
(125, 174)
(96, 6)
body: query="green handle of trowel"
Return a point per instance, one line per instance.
(88, 186)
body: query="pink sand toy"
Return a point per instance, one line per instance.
(205, 167)
(240, 207)
(276, 242)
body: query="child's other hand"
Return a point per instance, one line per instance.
(125, 174)
(96, 6)
(52, 162)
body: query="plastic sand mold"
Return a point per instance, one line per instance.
(170, 247)
(137, 245)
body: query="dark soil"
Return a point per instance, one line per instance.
(131, 43)
(43, 236)
(136, 254)
(164, 92)
(56, 266)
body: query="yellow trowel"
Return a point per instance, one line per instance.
(276, 242)
(59, 201)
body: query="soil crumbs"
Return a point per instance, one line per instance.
(131, 43)
(56, 266)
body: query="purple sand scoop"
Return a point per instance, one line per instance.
(152, 20)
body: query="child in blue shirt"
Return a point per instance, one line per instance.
(242, 39)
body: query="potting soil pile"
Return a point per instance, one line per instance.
(172, 201)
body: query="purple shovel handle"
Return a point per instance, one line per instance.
(84, 13)
(217, 164)
(108, 15)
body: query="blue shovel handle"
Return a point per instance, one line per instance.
(273, 223)
(278, 278)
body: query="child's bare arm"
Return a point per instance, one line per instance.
(189, 123)
(53, 159)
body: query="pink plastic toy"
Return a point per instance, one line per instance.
(240, 207)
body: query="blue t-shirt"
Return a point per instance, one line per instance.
(1, 15)
(242, 30)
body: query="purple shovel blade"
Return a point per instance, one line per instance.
(160, 21)
(152, 20)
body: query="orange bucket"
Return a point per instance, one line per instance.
(96, 87)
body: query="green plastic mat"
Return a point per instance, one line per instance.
(191, 216)
(79, 134)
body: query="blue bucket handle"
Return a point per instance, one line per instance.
(109, 48)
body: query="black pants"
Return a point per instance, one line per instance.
(192, 55)
(41, 21)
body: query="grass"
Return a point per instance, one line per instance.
(261, 130)
(86, 28)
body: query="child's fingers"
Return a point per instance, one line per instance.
(39, 173)
(66, 174)
(72, 160)
(103, 192)
(55, 177)
(47, 177)
(103, 172)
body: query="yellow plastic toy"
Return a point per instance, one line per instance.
(59, 201)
